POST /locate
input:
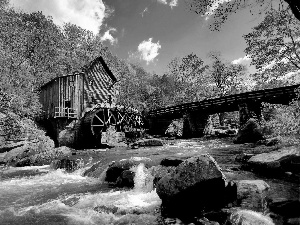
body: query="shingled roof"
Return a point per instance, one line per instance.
(99, 81)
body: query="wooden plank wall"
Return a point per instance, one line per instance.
(62, 89)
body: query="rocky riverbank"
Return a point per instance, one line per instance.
(201, 181)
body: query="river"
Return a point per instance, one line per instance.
(39, 195)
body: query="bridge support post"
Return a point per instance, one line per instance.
(249, 110)
(194, 124)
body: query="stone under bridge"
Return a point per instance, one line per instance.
(195, 114)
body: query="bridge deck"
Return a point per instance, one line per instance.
(282, 95)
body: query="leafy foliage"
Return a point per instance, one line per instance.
(188, 78)
(285, 120)
(226, 77)
(282, 120)
(223, 9)
(273, 46)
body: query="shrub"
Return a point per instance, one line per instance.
(282, 120)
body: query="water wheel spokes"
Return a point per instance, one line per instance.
(98, 123)
(111, 119)
(120, 117)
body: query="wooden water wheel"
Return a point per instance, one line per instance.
(100, 118)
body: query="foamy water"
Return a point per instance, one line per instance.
(58, 197)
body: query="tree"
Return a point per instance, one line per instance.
(224, 8)
(34, 50)
(16, 79)
(80, 47)
(134, 89)
(189, 79)
(226, 78)
(273, 46)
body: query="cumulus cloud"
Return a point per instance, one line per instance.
(171, 3)
(88, 14)
(214, 5)
(241, 60)
(147, 51)
(108, 37)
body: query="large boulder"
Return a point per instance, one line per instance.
(251, 194)
(249, 133)
(126, 179)
(115, 169)
(248, 217)
(159, 172)
(195, 185)
(121, 173)
(67, 137)
(285, 159)
(24, 142)
(32, 152)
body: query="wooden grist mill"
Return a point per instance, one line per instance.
(78, 108)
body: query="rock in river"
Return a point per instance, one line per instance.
(249, 133)
(197, 184)
(148, 142)
(251, 194)
(248, 217)
(285, 159)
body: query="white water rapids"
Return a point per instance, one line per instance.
(57, 197)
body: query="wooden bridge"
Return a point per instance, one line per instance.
(159, 118)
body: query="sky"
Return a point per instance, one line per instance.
(151, 32)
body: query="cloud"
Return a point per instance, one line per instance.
(147, 51)
(213, 6)
(171, 3)
(88, 14)
(241, 60)
(108, 37)
(163, 2)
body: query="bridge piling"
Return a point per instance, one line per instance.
(194, 124)
(249, 110)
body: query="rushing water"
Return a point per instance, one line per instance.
(38, 195)
(57, 197)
